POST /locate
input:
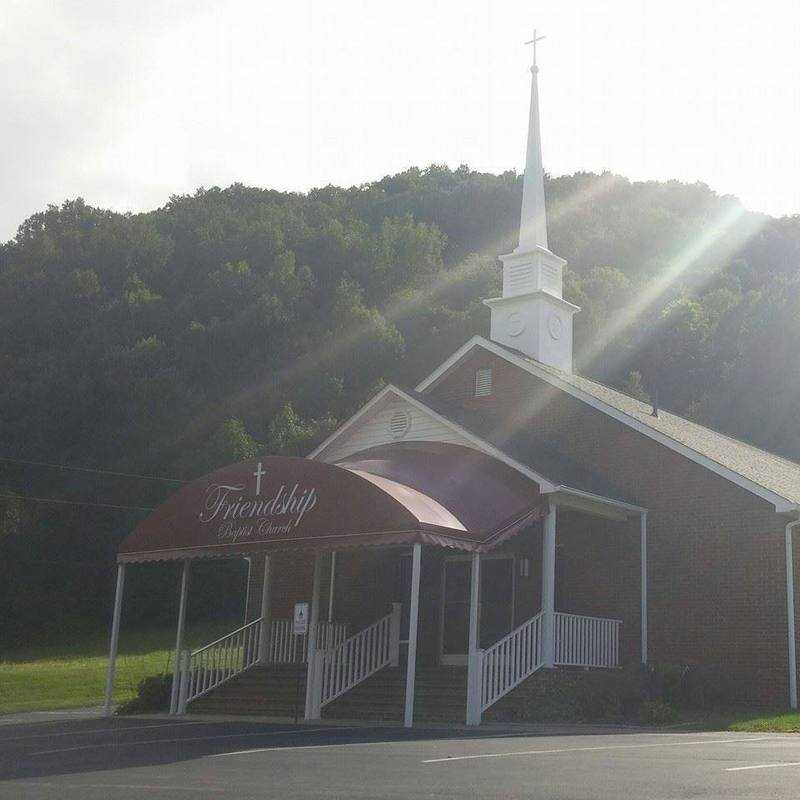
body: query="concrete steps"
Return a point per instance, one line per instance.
(440, 695)
(270, 691)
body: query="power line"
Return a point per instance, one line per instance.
(88, 469)
(73, 502)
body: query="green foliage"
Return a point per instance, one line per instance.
(657, 712)
(575, 696)
(173, 341)
(152, 695)
(232, 442)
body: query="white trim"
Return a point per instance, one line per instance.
(350, 422)
(594, 503)
(781, 504)
(175, 707)
(249, 561)
(549, 587)
(112, 649)
(643, 609)
(264, 655)
(313, 683)
(473, 664)
(790, 613)
(500, 301)
(413, 620)
(483, 446)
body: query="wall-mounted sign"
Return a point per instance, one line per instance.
(300, 623)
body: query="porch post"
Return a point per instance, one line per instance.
(176, 673)
(333, 584)
(413, 619)
(474, 665)
(265, 635)
(112, 652)
(549, 587)
(312, 689)
(644, 585)
(247, 589)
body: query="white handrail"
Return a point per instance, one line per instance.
(286, 647)
(510, 660)
(345, 665)
(582, 641)
(219, 661)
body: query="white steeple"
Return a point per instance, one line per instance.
(533, 218)
(532, 315)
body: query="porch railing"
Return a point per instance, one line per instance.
(578, 641)
(288, 648)
(353, 660)
(586, 641)
(509, 661)
(219, 661)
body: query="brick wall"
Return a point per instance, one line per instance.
(716, 552)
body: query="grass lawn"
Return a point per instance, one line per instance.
(73, 674)
(785, 722)
(741, 719)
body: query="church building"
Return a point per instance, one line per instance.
(503, 519)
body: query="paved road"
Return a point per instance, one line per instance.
(95, 759)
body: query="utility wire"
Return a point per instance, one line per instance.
(73, 502)
(88, 469)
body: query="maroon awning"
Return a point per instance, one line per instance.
(282, 503)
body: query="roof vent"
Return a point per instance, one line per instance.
(483, 382)
(399, 424)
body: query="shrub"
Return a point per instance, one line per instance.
(153, 694)
(657, 712)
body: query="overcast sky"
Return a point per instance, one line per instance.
(126, 103)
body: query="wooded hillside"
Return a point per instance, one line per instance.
(238, 321)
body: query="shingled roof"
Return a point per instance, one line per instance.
(777, 475)
(538, 453)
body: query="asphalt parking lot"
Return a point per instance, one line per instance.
(94, 759)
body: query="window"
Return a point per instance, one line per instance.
(483, 382)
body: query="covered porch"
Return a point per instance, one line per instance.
(496, 595)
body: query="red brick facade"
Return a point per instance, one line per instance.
(717, 590)
(715, 551)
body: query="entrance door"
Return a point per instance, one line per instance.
(495, 610)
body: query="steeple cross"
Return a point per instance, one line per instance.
(533, 42)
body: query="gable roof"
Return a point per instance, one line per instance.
(534, 451)
(551, 470)
(422, 404)
(771, 477)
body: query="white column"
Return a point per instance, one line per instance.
(394, 635)
(549, 587)
(332, 586)
(790, 613)
(176, 674)
(312, 689)
(247, 589)
(644, 585)
(112, 652)
(474, 665)
(266, 616)
(413, 619)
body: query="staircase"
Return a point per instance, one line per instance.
(265, 690)
(440, 695)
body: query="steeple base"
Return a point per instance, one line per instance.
(536, 323)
